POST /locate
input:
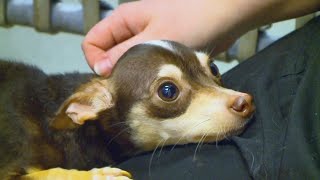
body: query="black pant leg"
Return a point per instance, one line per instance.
(283, 140)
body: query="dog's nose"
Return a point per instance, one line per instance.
(243, 105)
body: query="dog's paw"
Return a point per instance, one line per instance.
(106, 173)
(110, 173)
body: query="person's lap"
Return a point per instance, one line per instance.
(283, 138)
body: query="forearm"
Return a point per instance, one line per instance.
(256, 13)
(230, 19)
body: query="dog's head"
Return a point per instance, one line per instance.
(161, 92)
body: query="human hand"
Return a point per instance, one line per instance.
(193, 23)
(213, 24)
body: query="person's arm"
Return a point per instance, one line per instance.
(195, 23)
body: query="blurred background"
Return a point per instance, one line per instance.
(49, 33)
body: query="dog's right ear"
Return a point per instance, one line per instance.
(85, 104)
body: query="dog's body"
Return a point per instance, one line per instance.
(29, 101)
(159, 92)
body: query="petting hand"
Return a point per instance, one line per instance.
(194, 23)
(213, 24)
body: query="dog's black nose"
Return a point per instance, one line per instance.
(243, 105)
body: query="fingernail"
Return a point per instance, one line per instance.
(103, 67)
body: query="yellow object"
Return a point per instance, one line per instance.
(64, 174)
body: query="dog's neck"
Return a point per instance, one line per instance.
(92, 143)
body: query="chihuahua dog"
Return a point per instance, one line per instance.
(159, 92)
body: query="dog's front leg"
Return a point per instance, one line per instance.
(94, 174)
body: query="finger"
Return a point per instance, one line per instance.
(104, 66)
(121, 25)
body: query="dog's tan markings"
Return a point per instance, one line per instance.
(84, 104)
(161, 43)
(203, 58)
(145, 133)
(170, 70)
(207, 117)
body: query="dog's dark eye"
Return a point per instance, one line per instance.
(214, 69)
(168, 91)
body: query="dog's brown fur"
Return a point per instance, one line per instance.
(82, 121)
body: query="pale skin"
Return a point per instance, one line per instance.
(213, 24)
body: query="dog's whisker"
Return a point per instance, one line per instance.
(220, 133)
(176, 143)
(151, 158)
(195, 151)
(164, 141)
(117, 124)
(187, 133)
(212, 50)
(224, 134)
(117, 135)
(217, 137)
(206, 135)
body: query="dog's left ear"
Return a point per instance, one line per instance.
(85, 104)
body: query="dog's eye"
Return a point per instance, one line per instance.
(168, 91)
(214, 69)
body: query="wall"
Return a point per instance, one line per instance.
(53, 53)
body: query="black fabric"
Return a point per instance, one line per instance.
(282, 140)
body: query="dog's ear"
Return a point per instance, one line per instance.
(84, 105)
